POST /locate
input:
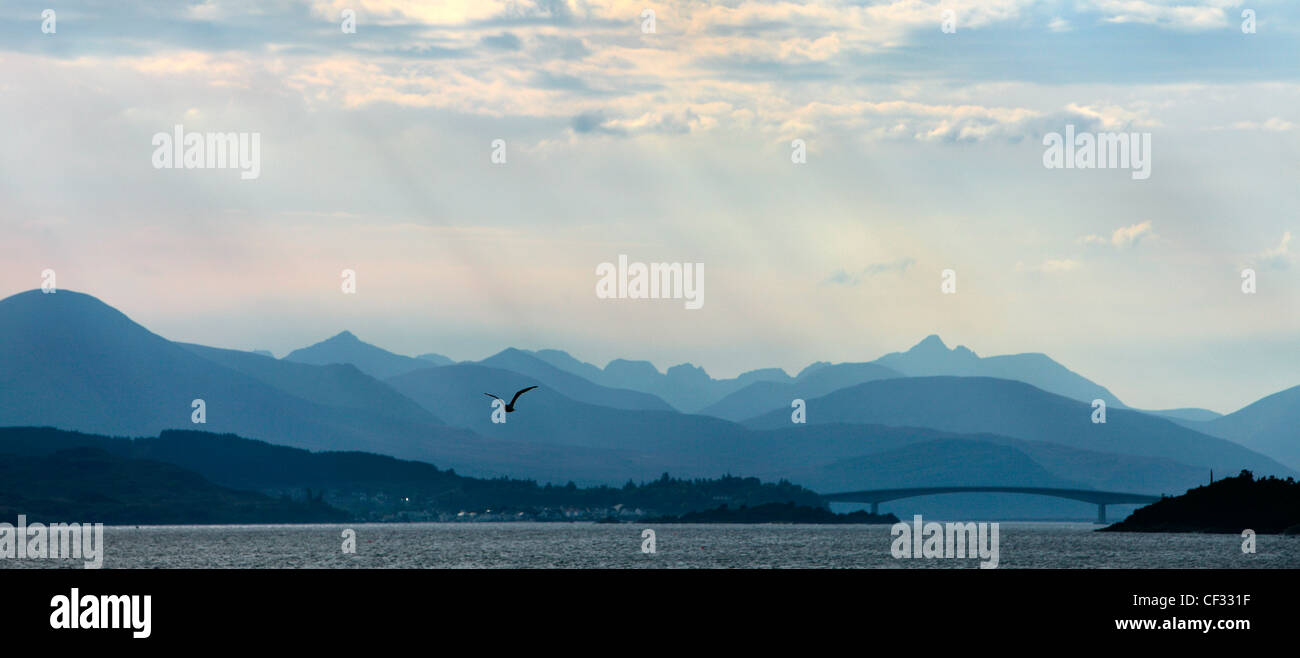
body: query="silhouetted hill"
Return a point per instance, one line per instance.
(1018, 410)
(1270, 425)
(69, 360)
(347, 348)
(569, 384)
(94, 486)
(362, 482)
(1266, 505)
(931, 357)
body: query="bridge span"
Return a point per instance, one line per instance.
(1099, 498)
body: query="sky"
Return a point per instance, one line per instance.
(923, 124)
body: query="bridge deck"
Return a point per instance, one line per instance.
(1086, 495)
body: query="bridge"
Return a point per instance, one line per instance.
(1099, 498)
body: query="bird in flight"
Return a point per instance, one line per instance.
(510, 406)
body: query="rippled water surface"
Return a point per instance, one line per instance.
(551, 545)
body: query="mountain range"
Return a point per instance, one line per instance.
(1017, 410)
(929, 415)
(68, 360)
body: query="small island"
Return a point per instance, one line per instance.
(775, 513)
(1265, 505)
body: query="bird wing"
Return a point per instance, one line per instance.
(493, 396)
(516, 397)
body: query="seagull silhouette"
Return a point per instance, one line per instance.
(510, 406)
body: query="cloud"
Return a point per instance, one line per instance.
(772, 68)
(1123, 237)
(593, 122)
(1059, 24)
(622, 140)
(558, 81)
(1272, 125)
(551, 46)
(1176, 14)
(1275, 258)
(503, 41)
(1113, 117)
(907, 120)
(658, 123)
(842, 277)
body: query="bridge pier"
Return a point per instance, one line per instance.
(1101, 513)
(875, 508)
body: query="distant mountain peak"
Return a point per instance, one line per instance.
(931, 357)
(778, 374)
(64, 299)
(434, 357)
(345, 347)
(933, 346)
(553, 352)
(930, 343)
(812, 367)
(629, 366)
(65, 311)
(688, 372)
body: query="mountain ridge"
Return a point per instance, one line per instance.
(345, 347)
(1019, 410)
(1270, 425)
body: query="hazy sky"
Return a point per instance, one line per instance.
(924, 153)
